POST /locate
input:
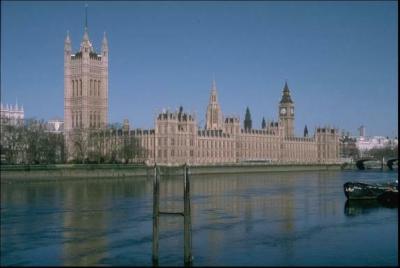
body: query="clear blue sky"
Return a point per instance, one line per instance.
(340, 58)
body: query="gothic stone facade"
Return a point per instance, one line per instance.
(85, 88)
(11, 115)
(177, 139)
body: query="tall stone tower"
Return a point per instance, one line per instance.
(85, 86)
(214, 115)
(286, 112)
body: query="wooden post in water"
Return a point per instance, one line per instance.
(156, 215)
(187, 236)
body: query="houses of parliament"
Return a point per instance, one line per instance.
(177, 137)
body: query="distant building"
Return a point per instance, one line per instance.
(376, 142)
(11, 115)
(55, 125)
(348, 148)
(364, 143)
(362, 131)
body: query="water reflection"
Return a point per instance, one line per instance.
(84, 224)
(359, 207)
(237, 219)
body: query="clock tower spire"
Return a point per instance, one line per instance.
(286, 111)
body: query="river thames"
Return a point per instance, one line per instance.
(269, 219)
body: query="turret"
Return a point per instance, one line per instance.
(104, 46)
(214, 115)
(67, 78)
(286, 112)
(247, 120)
(305, 131)
(104, 82)
(67, 45)
(86, 45)
(263, 123)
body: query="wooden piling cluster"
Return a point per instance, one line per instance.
(187, 235)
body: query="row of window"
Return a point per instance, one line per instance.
(163, 153)
(262, 146)
(216, 154)
(250, 154)
(94, 119)
(173, 128)
(184, 153)
(77, 87)
(215, 144)
(94, 87)
(76, 119)
(181, 142)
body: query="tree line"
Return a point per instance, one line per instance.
(386, 152)
(30, 142)
(110, 145)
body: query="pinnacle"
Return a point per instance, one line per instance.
(286, 88)
(67, 39)
(214, 84)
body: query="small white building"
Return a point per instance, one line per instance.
(376, 142)
(12, 115)
(55, 125)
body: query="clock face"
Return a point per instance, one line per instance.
(292, 111)
(283, 111)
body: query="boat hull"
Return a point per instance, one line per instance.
(358, 190)
(389, 198)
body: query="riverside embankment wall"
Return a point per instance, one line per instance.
(61, 172)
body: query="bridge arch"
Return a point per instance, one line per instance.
(390, 163)
(360, 163)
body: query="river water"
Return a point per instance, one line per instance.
(269, 219)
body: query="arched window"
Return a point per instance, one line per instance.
(80, 119)
(98, 89)
(80, 87)
(94, 85)
(73, 88)
(90, 119)
(98, 120)
(91, 86)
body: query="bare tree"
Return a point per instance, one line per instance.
(31, 143)
(12, 144)
(79, 139)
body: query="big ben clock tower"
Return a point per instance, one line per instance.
(286, 112)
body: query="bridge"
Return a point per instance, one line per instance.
(390, 163)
